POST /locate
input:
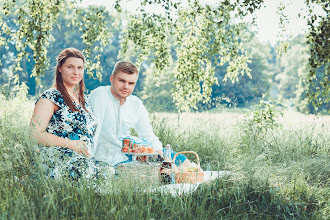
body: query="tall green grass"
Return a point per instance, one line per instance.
(277, 173)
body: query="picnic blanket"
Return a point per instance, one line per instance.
(181, 188)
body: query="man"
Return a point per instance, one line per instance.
(117, 110)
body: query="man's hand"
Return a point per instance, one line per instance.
(160, 152)
(169, 171)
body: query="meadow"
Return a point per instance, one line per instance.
(280, 169)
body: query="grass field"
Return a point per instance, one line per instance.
(280, 170)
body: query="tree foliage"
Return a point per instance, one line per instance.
(204, 36)
(199, 38)
(93, 22)
(319, 41)
(247, 90)
(292, 67)
(158, 99)
(35, 22)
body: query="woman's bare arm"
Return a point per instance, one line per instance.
(43, 111)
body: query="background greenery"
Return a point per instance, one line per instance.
(178, 83)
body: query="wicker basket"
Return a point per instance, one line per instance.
(140, 173)
(186, 176)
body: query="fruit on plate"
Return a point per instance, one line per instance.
(144, 149)
(139, 150)
(126, 142)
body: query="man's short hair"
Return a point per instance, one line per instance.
(125, 67)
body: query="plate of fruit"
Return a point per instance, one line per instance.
(136, 146)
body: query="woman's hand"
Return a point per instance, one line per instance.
(42, 114)
(80, 147)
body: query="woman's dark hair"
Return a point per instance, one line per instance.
(65, 54)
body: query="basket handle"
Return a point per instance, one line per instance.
(185, 152)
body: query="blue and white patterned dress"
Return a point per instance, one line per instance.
(58, 162)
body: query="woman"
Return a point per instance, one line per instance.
(63, 122)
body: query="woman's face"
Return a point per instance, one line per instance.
(72, 71)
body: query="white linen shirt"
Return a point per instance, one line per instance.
(114, 122)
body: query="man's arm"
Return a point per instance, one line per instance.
(145, 130)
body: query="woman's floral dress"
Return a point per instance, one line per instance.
(58, 162)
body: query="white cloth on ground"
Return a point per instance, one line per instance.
(181, 188)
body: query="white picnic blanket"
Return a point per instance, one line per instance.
(174, 189)
(181, 188)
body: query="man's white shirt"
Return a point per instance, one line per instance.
(114, 122)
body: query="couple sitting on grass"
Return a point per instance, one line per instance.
(80, 137)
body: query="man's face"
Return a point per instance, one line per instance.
(123, 84)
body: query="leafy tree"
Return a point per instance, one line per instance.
(65, 34)
(248, 89)
(318, 91)
(205, 38)
(201, 33)
(293, 67)
(156, 93)
(303, 91)
(35, 22)
(292, 79)
(241, 93)
(8, 59)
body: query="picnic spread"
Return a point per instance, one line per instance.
(163, 174)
